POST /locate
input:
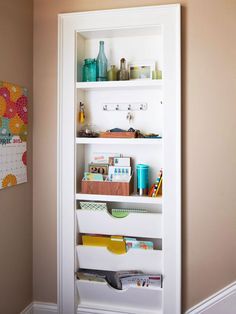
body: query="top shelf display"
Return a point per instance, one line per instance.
(119, 84)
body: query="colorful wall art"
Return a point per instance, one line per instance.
(13, 134)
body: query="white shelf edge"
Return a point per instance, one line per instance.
(118, 198)
(119, 84)
(129, 141)
(86, 308)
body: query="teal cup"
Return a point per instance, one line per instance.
(142, 179)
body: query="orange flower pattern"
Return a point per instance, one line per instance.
(9, 180)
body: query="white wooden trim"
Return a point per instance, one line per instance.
(223, 301)
(40, 308)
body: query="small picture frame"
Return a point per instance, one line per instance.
(99, 168)
(141, 70)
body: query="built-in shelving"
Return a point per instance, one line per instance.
(146, 35)
(119, 84)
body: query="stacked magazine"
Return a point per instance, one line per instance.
(122, 280)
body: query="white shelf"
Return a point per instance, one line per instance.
(117, 198)
(119, 84)
(116, 141)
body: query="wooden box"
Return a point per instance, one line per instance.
(107, 188)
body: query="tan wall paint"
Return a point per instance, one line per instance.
(16, 58)
(209, 146)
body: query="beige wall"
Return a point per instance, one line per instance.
(209, 146)
(16, 57)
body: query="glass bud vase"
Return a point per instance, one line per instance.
(101, 63)
(122, 74)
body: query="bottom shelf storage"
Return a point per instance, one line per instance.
(101, 296)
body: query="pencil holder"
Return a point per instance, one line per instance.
(142, 179)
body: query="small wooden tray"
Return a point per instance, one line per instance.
(118, 134)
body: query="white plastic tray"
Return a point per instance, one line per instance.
(135, 224)
(101, 295)
(95, 257)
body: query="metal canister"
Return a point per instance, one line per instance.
(142, 179)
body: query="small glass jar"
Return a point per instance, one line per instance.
(89, 70)
(112, 73)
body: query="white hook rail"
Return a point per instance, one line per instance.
(140, 106)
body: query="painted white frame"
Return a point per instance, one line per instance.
(68, 24)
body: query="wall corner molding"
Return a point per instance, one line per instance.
(223, 301)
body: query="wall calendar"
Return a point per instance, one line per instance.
(13, 134)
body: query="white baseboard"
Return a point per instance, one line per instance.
(222, 302)
(41, 308)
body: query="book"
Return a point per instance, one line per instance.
(93, 206)
(133, 243)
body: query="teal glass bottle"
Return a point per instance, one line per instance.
(101, 63)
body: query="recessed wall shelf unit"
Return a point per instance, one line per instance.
(110, 135)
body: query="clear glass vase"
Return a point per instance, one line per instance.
(101, 63)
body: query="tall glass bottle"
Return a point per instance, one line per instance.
(122, 74)
(101, 63)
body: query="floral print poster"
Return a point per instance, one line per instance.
(13, 134)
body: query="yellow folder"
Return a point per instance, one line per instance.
(115, 244)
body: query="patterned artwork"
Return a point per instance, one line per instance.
(13, 134)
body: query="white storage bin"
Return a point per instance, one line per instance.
(95, 257)
(133, 300)
(135, 224)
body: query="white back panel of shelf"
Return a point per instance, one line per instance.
(148, 121)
